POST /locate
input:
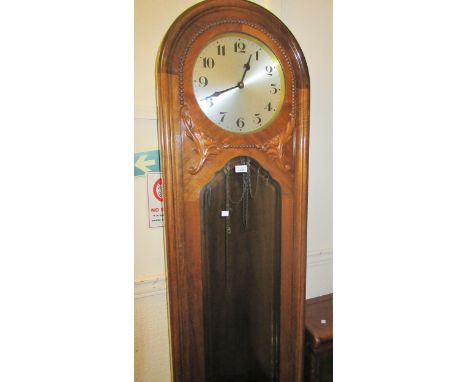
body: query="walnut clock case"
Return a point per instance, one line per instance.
(233, 110)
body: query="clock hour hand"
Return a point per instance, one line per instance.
(240, 84)
(246, 69)
(218, 93)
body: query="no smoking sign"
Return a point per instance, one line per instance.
(155, 199)
(157, 190)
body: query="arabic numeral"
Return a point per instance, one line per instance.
(239, 47)
(208, 62)
(240, 123)
(221, 50)
(203, 81)
(274, 89)
(223, 113)
(268, 107)
(257, 120)
(269, 70)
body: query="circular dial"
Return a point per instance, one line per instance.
(238, 83)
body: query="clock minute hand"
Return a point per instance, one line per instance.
(218, 93)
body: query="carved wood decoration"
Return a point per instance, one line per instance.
(236, 283)
(205, 146)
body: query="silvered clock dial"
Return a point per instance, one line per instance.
(238, 83)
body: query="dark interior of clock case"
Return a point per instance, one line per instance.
(241, 273)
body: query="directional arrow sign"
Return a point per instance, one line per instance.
(146, 161)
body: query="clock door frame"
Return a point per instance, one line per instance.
(193, 149)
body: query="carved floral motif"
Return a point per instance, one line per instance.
(205, 146)
(275, 147)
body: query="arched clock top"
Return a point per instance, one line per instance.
(208, 14)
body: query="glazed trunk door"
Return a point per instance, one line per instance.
(241, 254)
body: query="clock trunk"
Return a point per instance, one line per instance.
(241, 273)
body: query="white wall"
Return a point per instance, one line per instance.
(311, 23)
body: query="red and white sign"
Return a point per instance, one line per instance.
(155, 199)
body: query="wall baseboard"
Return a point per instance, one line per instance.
(141, 111)
(152, 285)
(319, 256)
(319, 272)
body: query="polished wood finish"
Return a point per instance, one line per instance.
(316, 310)
(193, 150)
(318, 366)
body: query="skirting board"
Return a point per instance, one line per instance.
(320, 256)
(319, 273)
(151, 285)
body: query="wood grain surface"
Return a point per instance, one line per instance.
(319, 319)
(193, 149)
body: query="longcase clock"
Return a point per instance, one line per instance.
(233, 111)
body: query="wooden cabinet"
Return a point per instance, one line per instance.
(318, 365)
(235, 201)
